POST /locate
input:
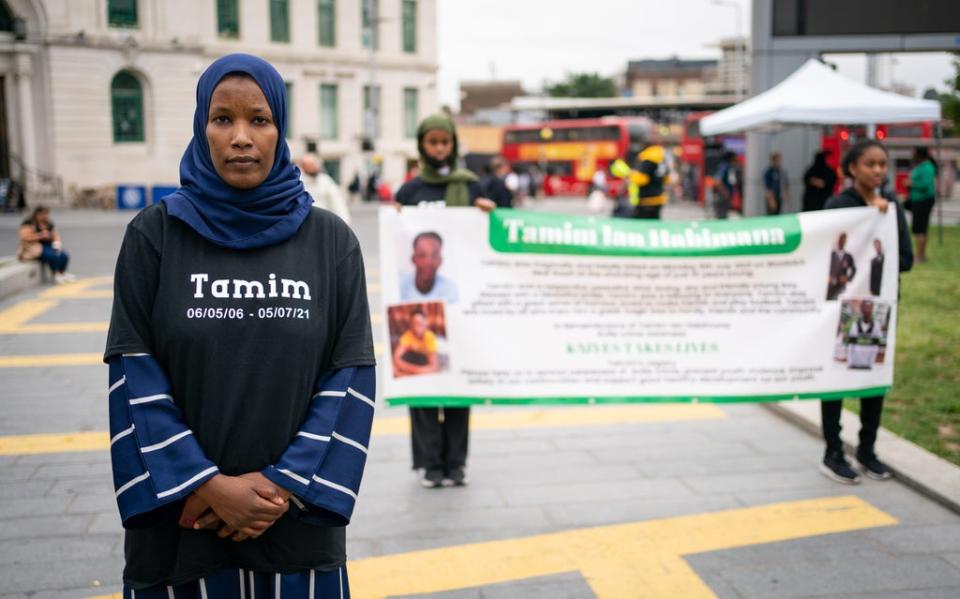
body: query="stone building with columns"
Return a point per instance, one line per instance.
(98, 93)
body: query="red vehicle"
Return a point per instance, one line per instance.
(569, 152)
(700, 156)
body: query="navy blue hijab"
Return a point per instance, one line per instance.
(239, 218)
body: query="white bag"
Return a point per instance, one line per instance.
(597, 202)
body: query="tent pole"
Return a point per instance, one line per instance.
(938, 129)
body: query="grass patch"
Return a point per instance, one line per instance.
(924, 405)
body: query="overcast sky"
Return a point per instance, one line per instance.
(538, 40)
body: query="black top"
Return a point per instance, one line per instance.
(416, 190)
(814, 198)
(242, 336)
(29, 222)
(655, 171)
(849, 198)
(493, 188)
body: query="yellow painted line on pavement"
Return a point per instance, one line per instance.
(14, 320)
(16, 316)
(59, 443)
(48, 360)
(618, 562)
(394, 426)
(80, 289)
(622, 561)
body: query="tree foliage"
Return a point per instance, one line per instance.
(584, 85)
(950, 100)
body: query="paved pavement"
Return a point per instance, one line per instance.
(613, 501)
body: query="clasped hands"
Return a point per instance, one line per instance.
(239, 507)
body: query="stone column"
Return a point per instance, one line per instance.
(23, 71)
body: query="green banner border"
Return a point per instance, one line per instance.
(425, 401)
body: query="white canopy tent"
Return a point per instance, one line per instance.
(816, 95)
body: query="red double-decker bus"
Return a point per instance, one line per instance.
(700, 157)
(569, 152)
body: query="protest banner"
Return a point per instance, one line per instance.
(519, 307)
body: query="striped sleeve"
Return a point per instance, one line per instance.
(324, 462)
(156, 459)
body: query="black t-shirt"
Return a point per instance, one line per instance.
(38, 229)
(243, 336)
(416, 190)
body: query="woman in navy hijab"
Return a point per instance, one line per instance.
(241, 378)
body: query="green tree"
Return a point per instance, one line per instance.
(584, 85)
(950, 100)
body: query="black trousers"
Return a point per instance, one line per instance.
(440, 437)
(647, 212)
(870, 409)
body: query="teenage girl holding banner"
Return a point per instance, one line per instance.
(865, 163)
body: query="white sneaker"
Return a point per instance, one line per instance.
(67, 277)
(58, 279)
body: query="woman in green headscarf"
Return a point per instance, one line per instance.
(440, 435)
(439, 178)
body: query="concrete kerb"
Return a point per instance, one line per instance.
(16, 276)
(916, 467)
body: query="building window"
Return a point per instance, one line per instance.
(228, 18)
(329, 113)
(369, 11)
(279, 21)
(411, 112)
(371, 111)
(326, 23)
(126, 101)
(288, 110)
(332, 168)
(410, 26)
(122, 13)
(6, 17)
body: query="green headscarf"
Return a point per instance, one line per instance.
(447, 173)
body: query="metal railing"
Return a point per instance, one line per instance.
(39, 186)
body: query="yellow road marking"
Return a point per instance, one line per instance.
(616, 561)
(622, 561)
(80, 289)
(46, 360)
(61, 443)
(400, 425)
(13, 320)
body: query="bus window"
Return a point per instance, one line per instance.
(558, 168)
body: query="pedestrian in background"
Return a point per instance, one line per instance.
(923, 191)
(239, 421)
(725, 185)
(818, 183)
(776, 186)
(40, 240)
(866, 163)
(440, 435)
(493, 183)
(322, 188)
